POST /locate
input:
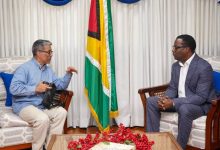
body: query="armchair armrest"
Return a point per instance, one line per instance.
(66, 97)
(152, 91)
(212, 125)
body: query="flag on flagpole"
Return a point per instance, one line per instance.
(100, 84)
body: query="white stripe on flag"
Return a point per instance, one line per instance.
(93, 61)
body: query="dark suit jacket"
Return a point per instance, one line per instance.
(199, 87)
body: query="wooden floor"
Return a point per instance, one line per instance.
(92, 130)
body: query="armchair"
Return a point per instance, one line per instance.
(14, 132)
(66, 97)
(205, 132)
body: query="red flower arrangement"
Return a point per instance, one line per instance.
(122, 135)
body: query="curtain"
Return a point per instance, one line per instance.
(144, 33)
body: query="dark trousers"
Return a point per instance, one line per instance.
(186, 114)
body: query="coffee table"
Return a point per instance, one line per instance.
(162, 141)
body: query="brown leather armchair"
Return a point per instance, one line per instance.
(212, 122)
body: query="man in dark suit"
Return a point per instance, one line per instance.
(189, 93)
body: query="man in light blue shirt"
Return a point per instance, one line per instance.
(27, 88)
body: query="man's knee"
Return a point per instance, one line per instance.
(152, 101)
(184, 110)
(43, 119)
(62, 113)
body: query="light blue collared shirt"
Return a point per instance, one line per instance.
(25, 80)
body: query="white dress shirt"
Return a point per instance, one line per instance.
(183, 72)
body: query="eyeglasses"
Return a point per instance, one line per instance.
(178, 47)
(48, 52)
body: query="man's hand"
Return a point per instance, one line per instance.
(165, 103)
(41, 87)
(71, 70)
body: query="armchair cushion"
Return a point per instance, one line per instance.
(216, 76)
(169, 123)
(15, 136)
(7, 77)
(171, 117)
(196, 138)
(2, 91)
(9, 119)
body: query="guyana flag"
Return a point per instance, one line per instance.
(100, 86)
